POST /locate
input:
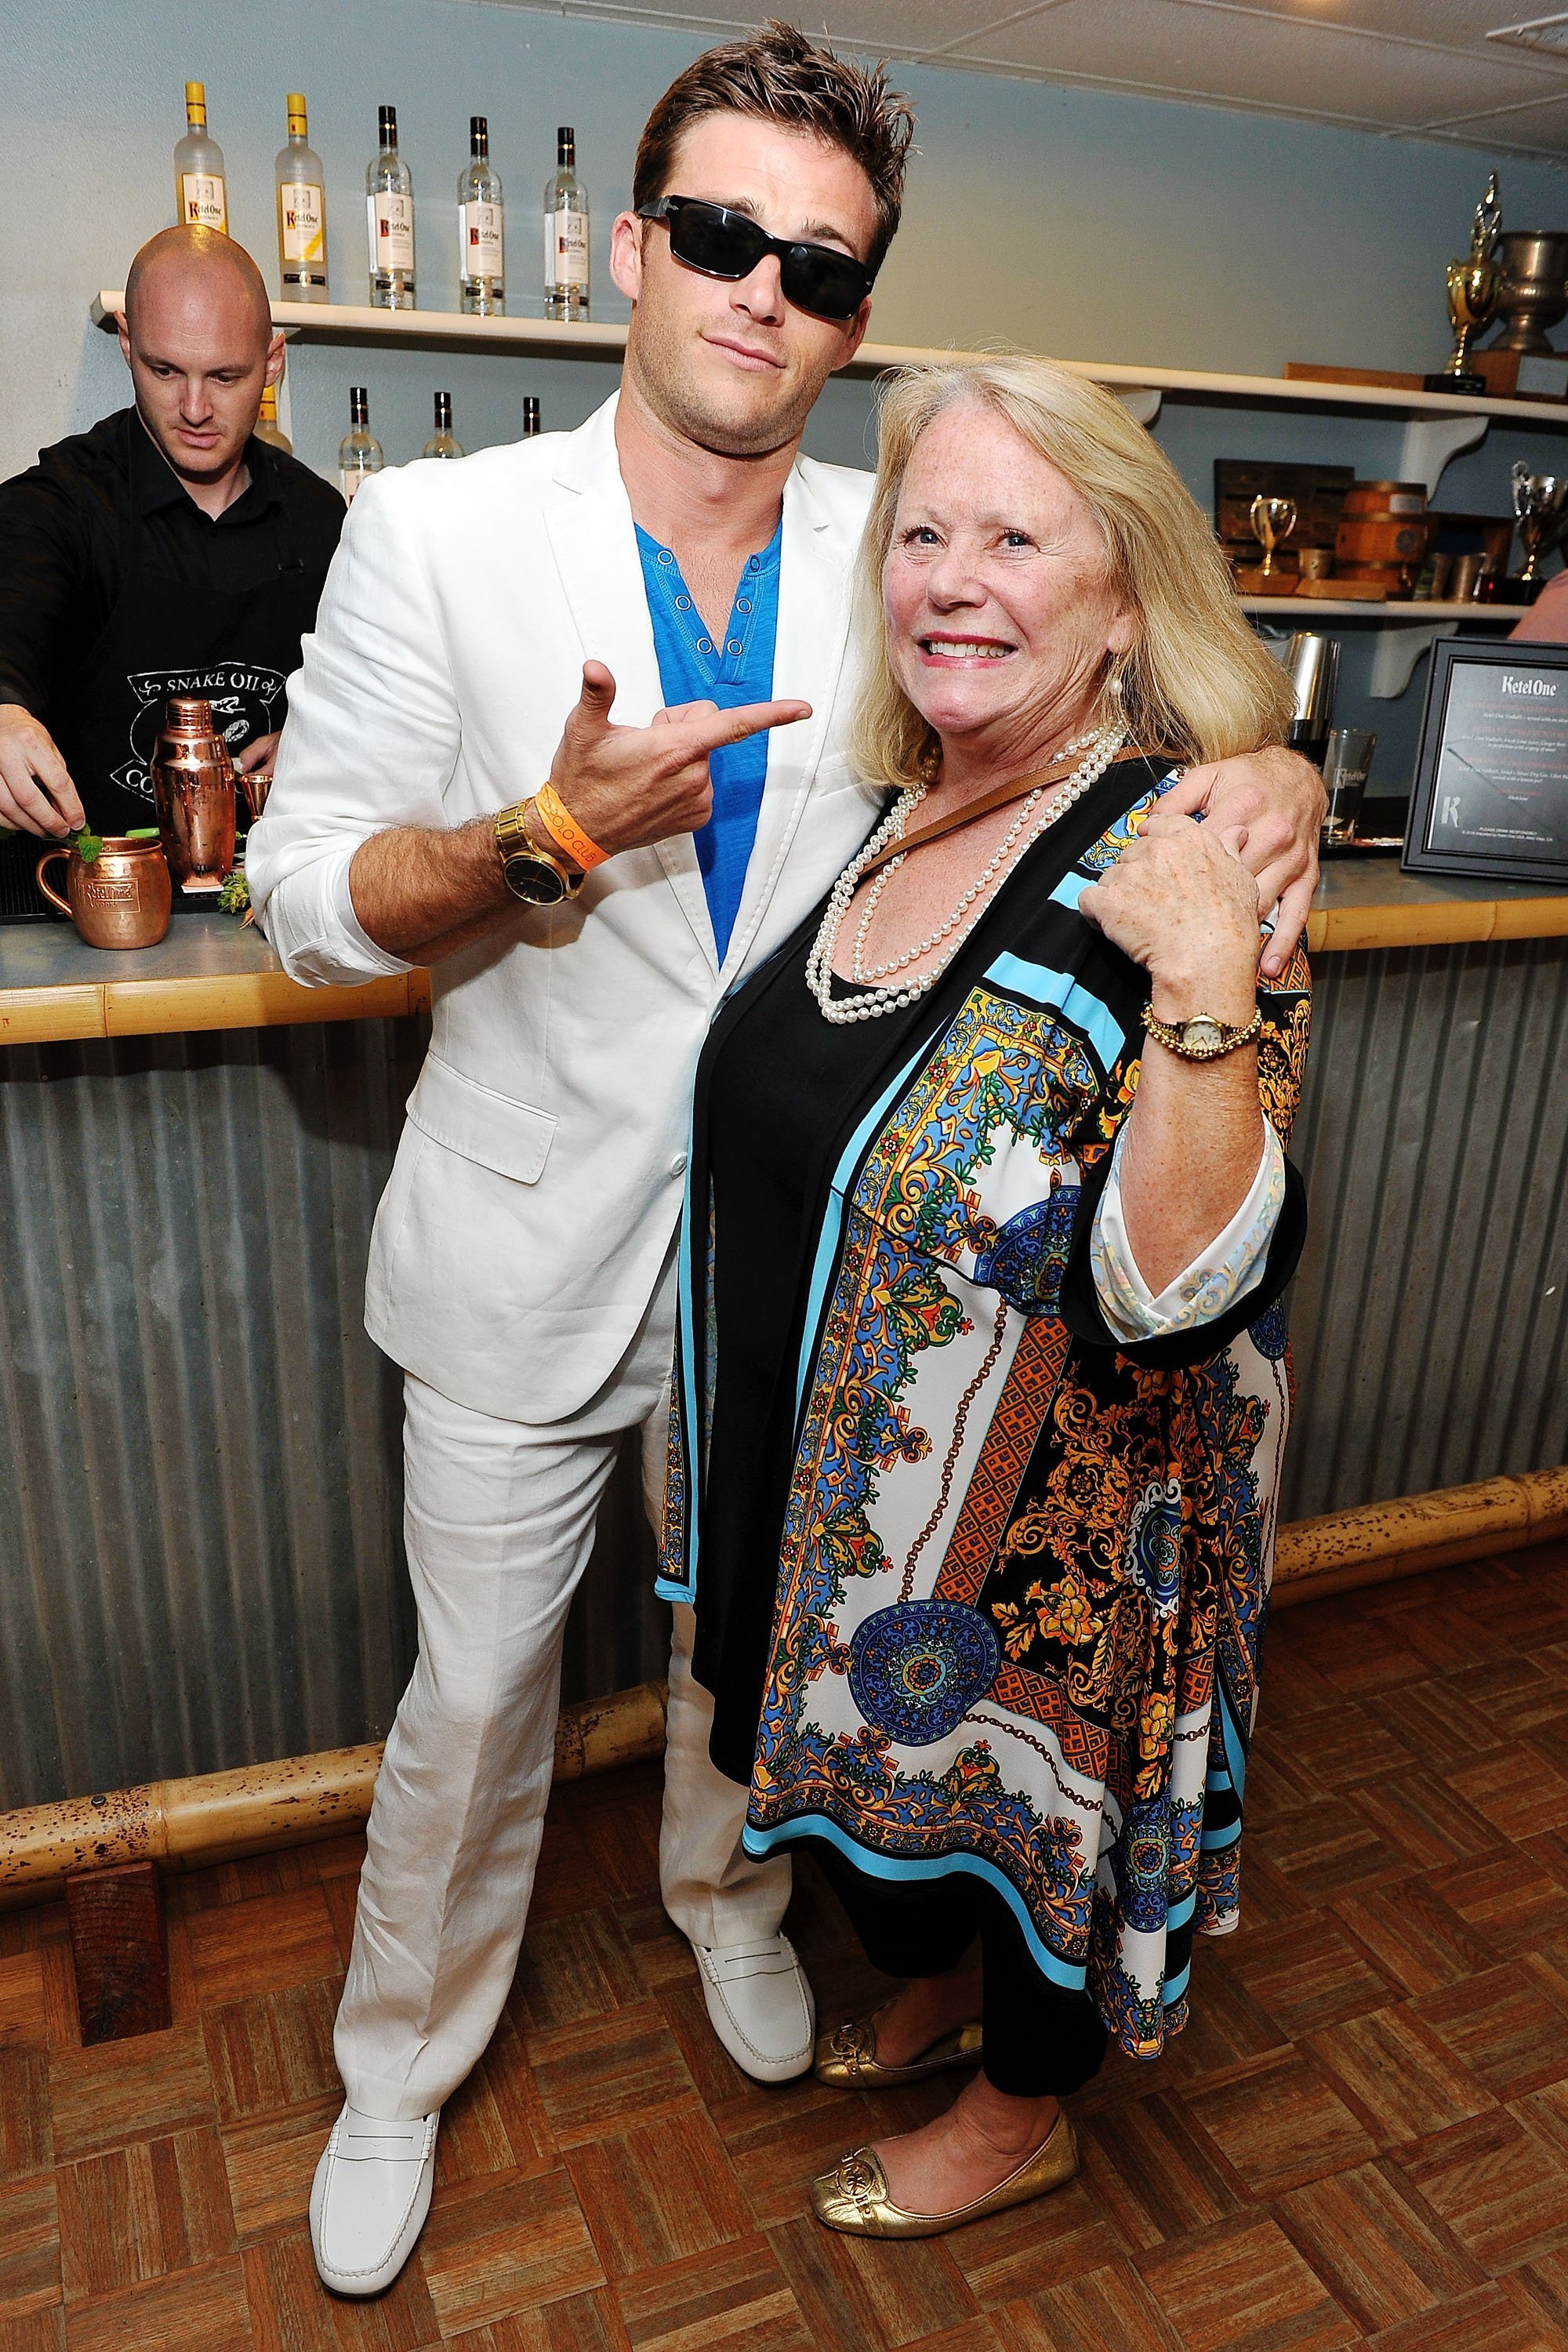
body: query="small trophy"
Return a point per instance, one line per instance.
(1541, 504)
(1473, 286)
(1272, 521)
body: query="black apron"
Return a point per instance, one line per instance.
(167, 635)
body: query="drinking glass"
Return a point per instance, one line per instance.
(1345, 770)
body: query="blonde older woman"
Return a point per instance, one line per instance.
(981, 1396)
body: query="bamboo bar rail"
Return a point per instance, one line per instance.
(243, 1000)
(1377, 1542)
(1425, 923)
(219, 1816)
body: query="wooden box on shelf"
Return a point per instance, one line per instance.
(1317, 493)
(1378, 378)
(1540, 377)
(1347, 592)
(1523, 375)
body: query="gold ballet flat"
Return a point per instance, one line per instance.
(847, 2058)
(854, 2198)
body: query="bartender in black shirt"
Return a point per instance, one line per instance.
(165, 551)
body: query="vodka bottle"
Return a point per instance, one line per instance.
(481, 260)
(389, 222)
(566, 234)
(442, 442)
(359, 451)
(267, 426)
(200, 198)
(301, 187)
(531, 423)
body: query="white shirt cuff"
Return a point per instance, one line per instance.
(310, 919)
(1231, 1266)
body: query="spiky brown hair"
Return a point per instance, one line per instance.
(780, 74)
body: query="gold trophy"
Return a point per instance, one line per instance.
(1474, 286)
(1272, 521)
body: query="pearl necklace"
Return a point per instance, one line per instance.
(864, 973)
(1032, 819)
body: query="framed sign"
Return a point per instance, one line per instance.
(1490, 796)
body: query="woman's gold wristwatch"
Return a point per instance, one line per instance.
(540, 878)
(1203, 1038)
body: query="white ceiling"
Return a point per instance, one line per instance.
(1421, 69)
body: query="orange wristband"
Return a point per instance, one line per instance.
(559, 823)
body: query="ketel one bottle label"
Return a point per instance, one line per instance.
(390, 229)
(202, 204)
(303, 211)
(565, 249)
(479, 234)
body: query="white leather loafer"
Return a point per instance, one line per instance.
(369, 2198)
(760, 2006)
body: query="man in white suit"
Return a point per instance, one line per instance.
(451, 791)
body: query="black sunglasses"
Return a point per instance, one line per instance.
(725, 244)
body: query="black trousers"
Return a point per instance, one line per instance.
(1041, 2041)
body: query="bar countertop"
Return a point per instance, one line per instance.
(1371, 902)
(213, 972)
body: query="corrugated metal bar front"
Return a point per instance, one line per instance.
(200, 1553)
(1430, 1316)
(200, 1547)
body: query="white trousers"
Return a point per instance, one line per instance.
(498, 1525)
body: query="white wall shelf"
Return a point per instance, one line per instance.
(1403, 630)
(560, 339)
(1297, 611)
(1437, 427)
(348, 322)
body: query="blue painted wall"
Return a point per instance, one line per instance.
(1089, 225)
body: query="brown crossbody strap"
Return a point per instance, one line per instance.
(1016, 791)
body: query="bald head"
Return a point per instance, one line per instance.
(196, 332)
(188, 266)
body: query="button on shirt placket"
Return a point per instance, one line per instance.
(724, 662)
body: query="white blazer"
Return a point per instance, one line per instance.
(539, 1178)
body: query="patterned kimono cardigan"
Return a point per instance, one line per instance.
(1024, 1570)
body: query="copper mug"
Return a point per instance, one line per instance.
(192, 786)
(122, 899)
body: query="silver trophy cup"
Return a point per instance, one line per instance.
(1540, 504)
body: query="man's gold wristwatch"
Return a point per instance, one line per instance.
(536, 876)
(1203, 1038)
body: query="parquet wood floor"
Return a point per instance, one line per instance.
(1361, 2139)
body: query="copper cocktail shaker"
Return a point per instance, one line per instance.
(193, 785)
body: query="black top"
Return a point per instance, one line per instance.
(64, 538)
(781, 1085)
(779, 1091)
